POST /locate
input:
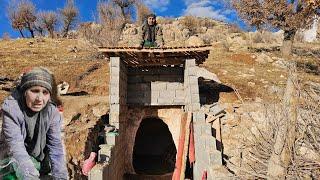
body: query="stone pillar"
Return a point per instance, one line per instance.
(111, 155)
(205, 143)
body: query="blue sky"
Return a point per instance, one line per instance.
(168, 8)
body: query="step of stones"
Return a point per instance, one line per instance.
(110, 138)
(96, 172)
(104, 153)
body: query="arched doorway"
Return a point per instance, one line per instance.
(154, 151)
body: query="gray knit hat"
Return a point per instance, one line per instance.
(37, 76)
(151, 15)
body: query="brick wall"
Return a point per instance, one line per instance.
(111, 155)
(156, 86)
(206, 152)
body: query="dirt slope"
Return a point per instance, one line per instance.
(79, 64)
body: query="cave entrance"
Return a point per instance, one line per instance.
(154, 152)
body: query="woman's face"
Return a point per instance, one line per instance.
(37, 98)
(151, 20)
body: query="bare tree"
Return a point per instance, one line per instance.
(39, 26)
(16, 21)
(111, 21)
(142, 12)
(49, 20)
(251, 12)
(289, 16)
(69, 16)
(22, 16)
(27, 12)
(125, 6)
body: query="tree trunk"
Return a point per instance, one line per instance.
(123, 13)
(21, 33)
(31, 32)
(286, 48)
(286, 135)
(66, 30)
(51, 33)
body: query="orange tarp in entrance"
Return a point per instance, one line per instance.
(186, 142)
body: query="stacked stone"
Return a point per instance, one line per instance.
(111, 155)
(156, 86)
(206, 151)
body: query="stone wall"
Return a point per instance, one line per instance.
(111, 155)
(164, 93)
(156, 86)
(205, 144)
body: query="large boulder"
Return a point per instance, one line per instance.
(263, 58)
(194, 41)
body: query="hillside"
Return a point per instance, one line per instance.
(254, 68)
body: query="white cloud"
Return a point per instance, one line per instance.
(205, 8)
(160, 5)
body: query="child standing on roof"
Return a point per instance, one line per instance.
(150, 33)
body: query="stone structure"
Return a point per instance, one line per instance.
(149, 87)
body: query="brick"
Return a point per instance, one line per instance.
(158, 86)
(194, 89)
(116, 124)
(202, 153)
(114, 99)
(113, 118)
(193, 79)
(114, 80)
(206, 129)
(178, 101)
(154, 97)
(174, 86)
(215, 158)
(115, 61)
(164, 101)
(192, 71)
(169, 94)
(197, 130)
(114, 108)
(195, 98)
(97, 172)
(110, 138)
(216, 109)
(195, 106)
(179, 94)
(199, 117)
(188, 100)
(115, 71)
(113, 88)
(104, 153)
(211, 143)
(190, 62)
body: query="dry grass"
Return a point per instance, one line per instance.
(289, 130)
(233, 69)
(55, 54)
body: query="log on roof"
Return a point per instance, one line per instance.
(134, 56)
